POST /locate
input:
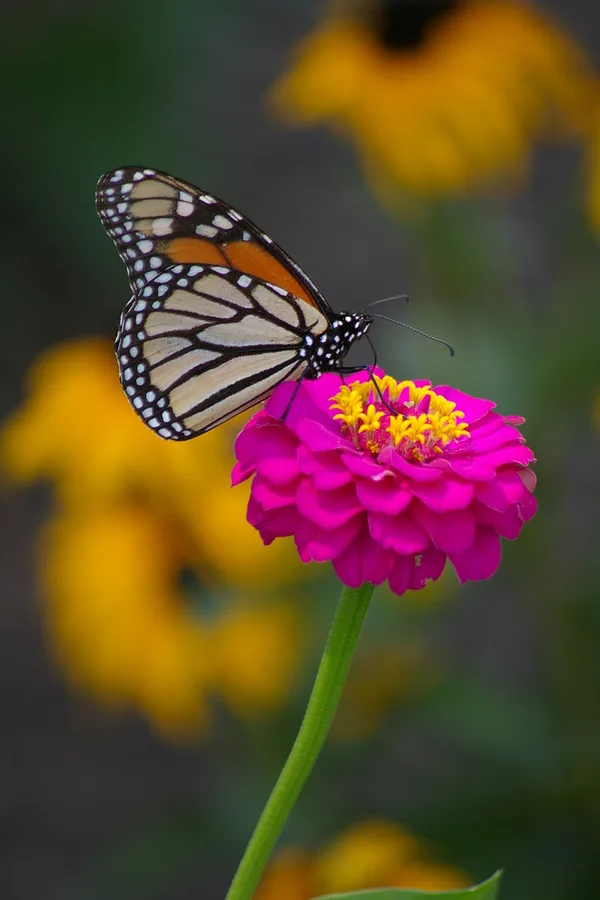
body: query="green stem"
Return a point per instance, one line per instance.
(327, 690)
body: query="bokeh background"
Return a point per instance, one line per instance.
(154, 660)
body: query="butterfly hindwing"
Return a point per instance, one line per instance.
(198, 344)
(157, 221)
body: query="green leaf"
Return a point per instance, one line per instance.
(486, 891)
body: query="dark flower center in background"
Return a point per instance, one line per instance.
(405, 24)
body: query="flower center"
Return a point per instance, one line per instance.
(406, 24)
(415, 421)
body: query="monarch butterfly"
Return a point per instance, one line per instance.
(219, 315)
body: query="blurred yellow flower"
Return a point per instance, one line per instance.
(127, 633)
(135, 514)
(77, 429)
(369, 854)
(440, 95)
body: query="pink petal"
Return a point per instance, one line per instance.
(428, 567)
(482, 558)
(241, 472)
(320, 544)
(327, 509)
(399, 533)
(414, 471)
(364, 465)
(445, 493)
(273, 496)
(363, 561)
(508, 524)
(277, 523)
(474, 408)
(402, 574)
(320, 437)
(504, 434)
(384, 496)
(451, 532)
(327, 470)
(279, 471)
(504, 490)
(527, 507)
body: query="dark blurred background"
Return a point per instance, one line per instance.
(498, 763)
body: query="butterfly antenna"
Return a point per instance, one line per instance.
(417, 331)
(374, 380)
(404, 297)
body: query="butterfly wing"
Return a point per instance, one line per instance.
(157, 221)
(199, 344)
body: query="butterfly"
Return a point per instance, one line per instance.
(220, 315)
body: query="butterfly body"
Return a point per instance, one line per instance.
(219, 314)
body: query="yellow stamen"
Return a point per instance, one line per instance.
(371, 419)
(423, 435)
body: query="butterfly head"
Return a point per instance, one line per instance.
(325, 352)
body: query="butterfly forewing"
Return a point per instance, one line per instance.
(156, 221)
(199, 344)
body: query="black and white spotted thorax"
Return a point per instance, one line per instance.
(325, 352)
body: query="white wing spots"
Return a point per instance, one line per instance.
(149, 172)
(177, 269)
(235, 215)
(184, 208)
(206, 198)
(244, 281)
(278, 290)
(184, 195)
(138, 176)
(195, 270)
(208, 231)
(246, 236)
(155, 262)
(266, 237)
(117, 176)
(163, 278)
(221, 270)
(222, 222)
(162, 226)
(145, 246)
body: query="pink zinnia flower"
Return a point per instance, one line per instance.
(387, 490)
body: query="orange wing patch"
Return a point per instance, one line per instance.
(245, 256)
